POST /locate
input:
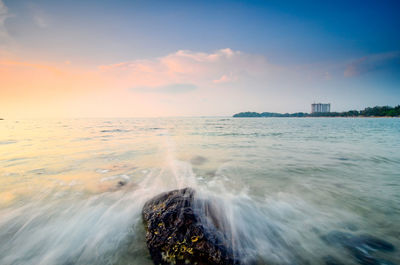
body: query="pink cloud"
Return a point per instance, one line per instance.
(184, 67)
(372, 62)
(225, 79)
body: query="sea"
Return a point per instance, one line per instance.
(292, 190)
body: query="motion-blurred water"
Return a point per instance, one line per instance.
(71, 191)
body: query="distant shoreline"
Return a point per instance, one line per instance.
(375, 112)
(357, 117)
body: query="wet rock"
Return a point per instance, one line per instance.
(361, 247)
(121, 183)
(375, 243)
(329, 260)
(198, 160)
(175, 235)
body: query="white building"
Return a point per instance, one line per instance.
(320, 107)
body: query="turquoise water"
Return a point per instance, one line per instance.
(71, 191)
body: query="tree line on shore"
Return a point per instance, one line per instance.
(377, 111)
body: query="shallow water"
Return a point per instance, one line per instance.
(71, 191)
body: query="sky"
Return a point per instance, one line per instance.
(150, 58)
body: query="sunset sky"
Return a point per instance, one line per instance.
(195, 58)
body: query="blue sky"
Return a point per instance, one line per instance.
(343, 52)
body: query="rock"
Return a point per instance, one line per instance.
(375, 243)
(198, 160)
(121, 183)
(329, 260)
(361, 247)
(175, 235)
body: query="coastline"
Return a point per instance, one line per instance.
(361, 117)
(374, 112)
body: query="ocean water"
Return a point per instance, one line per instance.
(71, 191)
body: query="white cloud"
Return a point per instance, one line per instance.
(225, 79)
(4, 14)
(38, 16)
(40, 21)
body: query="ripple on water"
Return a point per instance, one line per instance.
(114, 130)
(288, 183)
(8, 142)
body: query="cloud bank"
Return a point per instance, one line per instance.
(372, 63)
(183, 82)
(186, 70)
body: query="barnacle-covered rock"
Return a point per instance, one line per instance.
(175, 235)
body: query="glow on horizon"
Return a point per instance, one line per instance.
(40, 82)
(135, 88)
